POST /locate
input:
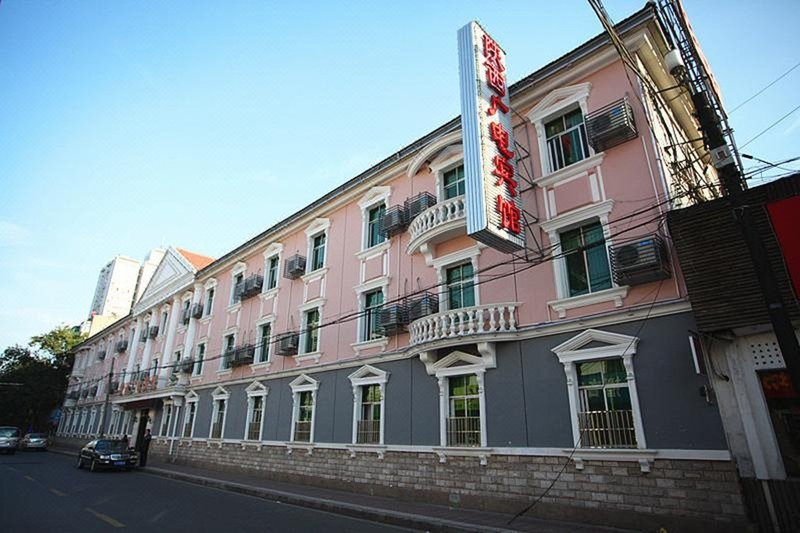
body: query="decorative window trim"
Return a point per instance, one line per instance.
(433, 148)
(303, 383)
(240, 268)
(552, 105)
(570, 172)
(230, 331)
(210, 284)
(571, 352)
(574, 217)
(255, 389)
(381, 283)
(448, 159)
(449, 367)
(614, 294)
(320, 225)
(368, 375)
(219, 393)
(319, 305)
(441, 264)
(266, 363)
(190, 398)
(373, 197)
(273, 250)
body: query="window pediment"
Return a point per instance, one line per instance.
(595, 344)
(256, 388)
(191, 396)
(304, 383)
(375, 195)
(559, 99)
(220, 393)
(368, 375)
(431, 150)
(318, 226)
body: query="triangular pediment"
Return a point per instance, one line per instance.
(304, 382)
(173, 274)
(220, 392)
(256, 388)
(191, 396)
(368, 373)
(595, 343)
(458, 359)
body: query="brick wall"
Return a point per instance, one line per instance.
(687, 495)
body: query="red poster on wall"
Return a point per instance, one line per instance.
(785, 217)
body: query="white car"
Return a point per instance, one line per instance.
(9, 439)
(34, 441)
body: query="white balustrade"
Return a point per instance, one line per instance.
(447, 211)
(492, 318)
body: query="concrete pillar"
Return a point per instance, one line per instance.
(148, 346)
(192, 329)
(137, 331)
(169, 343)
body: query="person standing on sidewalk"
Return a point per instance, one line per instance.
(145, 447)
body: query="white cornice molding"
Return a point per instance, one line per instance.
(375, 195)
(572, 171)
(559, 99)
(577, 215)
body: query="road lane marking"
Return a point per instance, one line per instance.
(29, 478)
(57, 492)
(105, 518)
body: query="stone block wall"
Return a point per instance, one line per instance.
(687, 495)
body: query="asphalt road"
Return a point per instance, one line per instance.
(45, 492)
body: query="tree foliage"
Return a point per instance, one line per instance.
(33, 378)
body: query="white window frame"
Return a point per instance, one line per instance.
(319, 226)
(192, 400)
(260, 359)
(614, 345)
(223, 357)
(219, 394)
(364, 376)
(449, 158)
(197, 367)
(255, 390)
(566, 221)
(381, 283)
(208, 310)
(555, 104)
(166, 416)
(274, 250)
(302, 355)
(303, 383)
(441, 264)
(458, 363)
(240, 269)
(374, 198)
(185, 300)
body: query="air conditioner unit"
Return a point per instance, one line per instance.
(184, 366)
(417, 204)
(101, 355)
(153, 332)
(394, 221)
(421, 305)
(611, 125)
(640, 261)
(197, 311)
(288, 343)
(294, 267)
(122, 346)
(186, 316)
(252, 286)
(243, 355)
(393, 318)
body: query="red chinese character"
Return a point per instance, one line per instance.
(492, 53)
(496, 80)
(496, 103)
(505, 174)
(500, 137)
(510, 216)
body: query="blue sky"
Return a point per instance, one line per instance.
(128, 124)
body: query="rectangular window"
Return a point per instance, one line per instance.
(217, 429)
(305, 412)
(185, 317)
(209, 302)
(318, 252)
(256, 412)
(236, 288)
(163, 328)
(454, 182)
(375, 235)
(228, 346)
(464, 422)
(264, 342)
(188, 423)
(176, 359)
(198, 360)
(166, 415)
(586, 259)
(606, 416)
(373, 301)
(272, 272)
(311, 328)
(566, 140)
(369, 425)
(460, 286)
(154, 368)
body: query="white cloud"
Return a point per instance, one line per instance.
(12, 234)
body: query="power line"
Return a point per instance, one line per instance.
(771, 126)
(776, 80)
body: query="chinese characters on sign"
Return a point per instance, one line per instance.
(494, 209)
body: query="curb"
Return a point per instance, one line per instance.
(383, 516)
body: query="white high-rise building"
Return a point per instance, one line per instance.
(121, 282)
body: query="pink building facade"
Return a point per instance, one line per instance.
(368, 342)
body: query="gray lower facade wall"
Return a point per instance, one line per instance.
(682, 494)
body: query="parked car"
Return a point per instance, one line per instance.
(34, 441)
(9, 439)
(107, 453)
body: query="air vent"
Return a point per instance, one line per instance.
(392, 319)
(417, 204)
(288, 343)
(421, 305)
(394, 221)
(611, 125)
(294, 267)
(640, 261)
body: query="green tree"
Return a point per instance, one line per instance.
(33, 378)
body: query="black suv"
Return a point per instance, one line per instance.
(107, 453)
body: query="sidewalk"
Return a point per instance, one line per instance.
(420, 516)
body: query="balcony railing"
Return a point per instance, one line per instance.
(464, 431)
(368, 432)
(438, 223)
(492, 318)
(302, 431)
(607, 429)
